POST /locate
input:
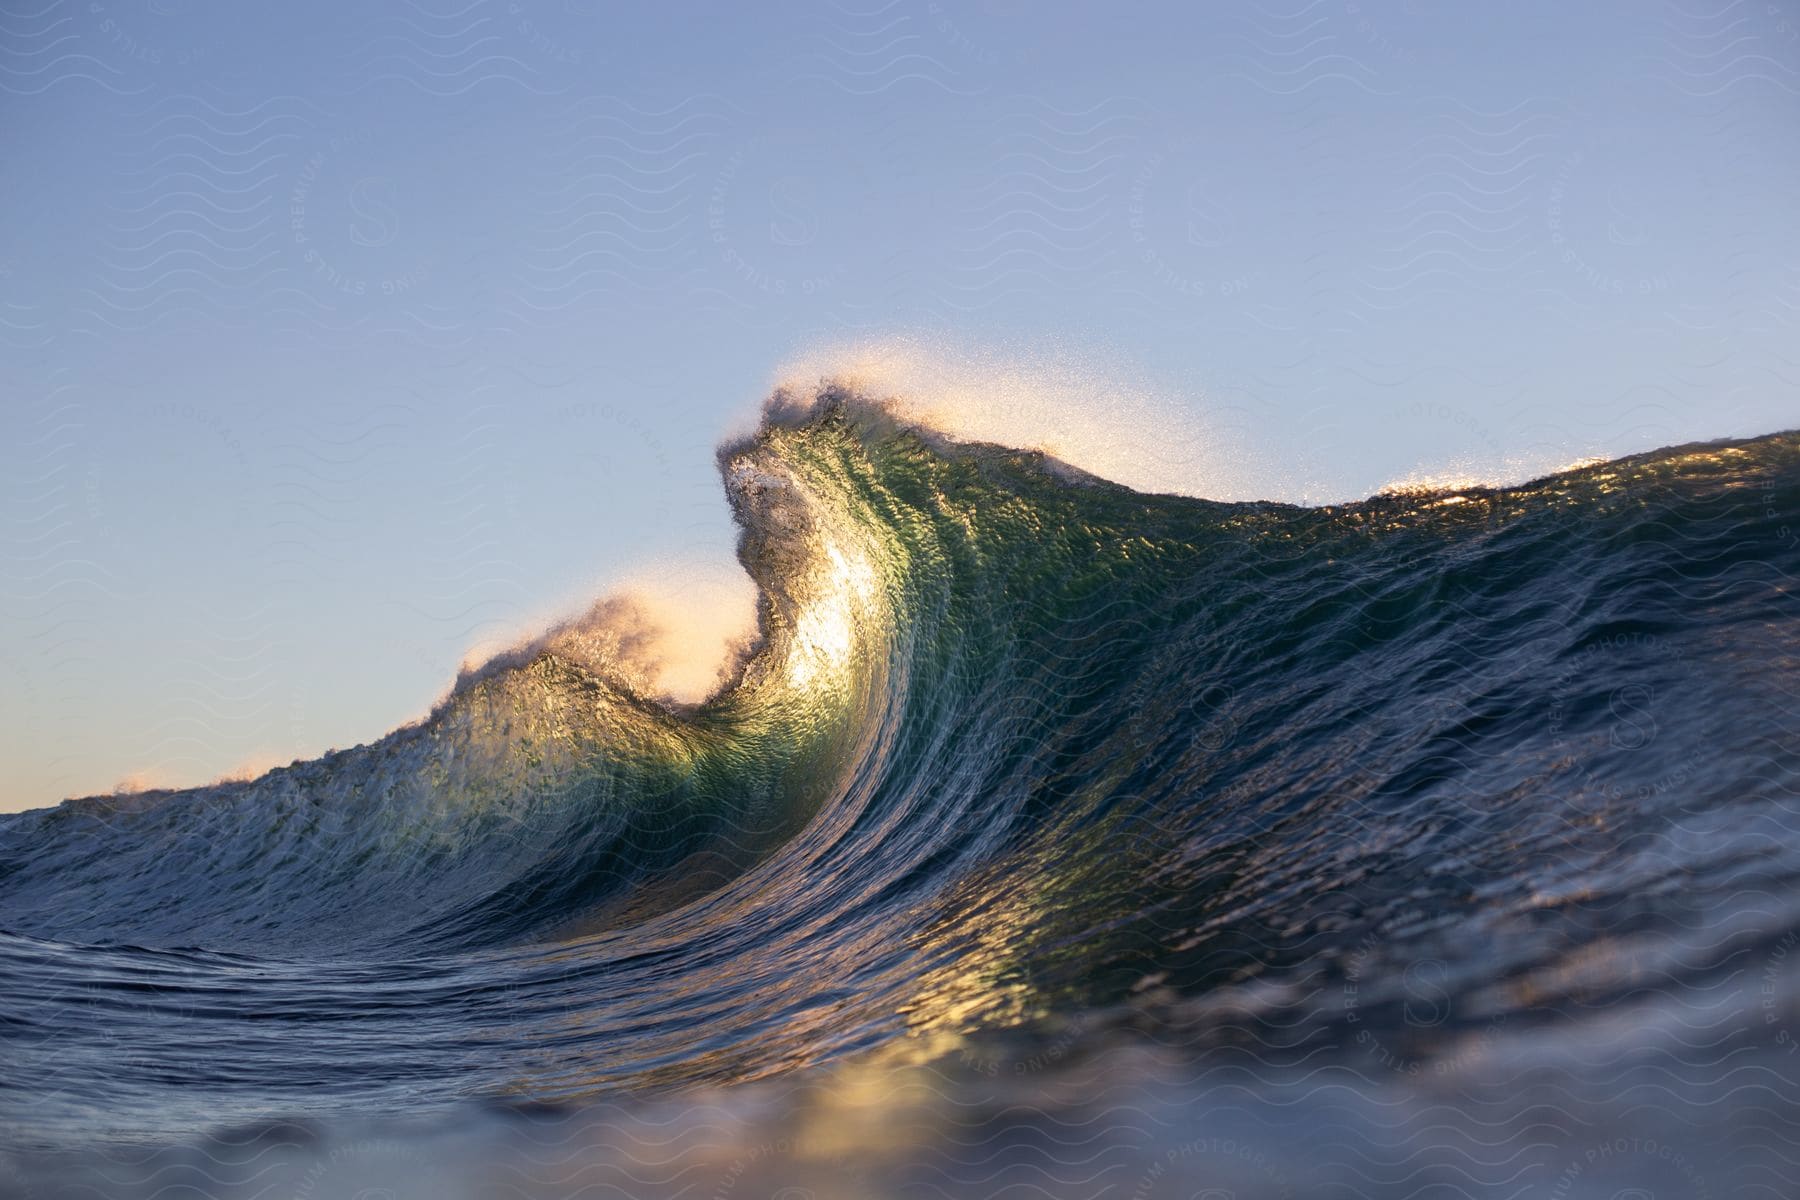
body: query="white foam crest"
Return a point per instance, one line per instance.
(1466, 473)
(1078, 406)
(672, 629)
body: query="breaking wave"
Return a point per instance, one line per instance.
(1020, 766)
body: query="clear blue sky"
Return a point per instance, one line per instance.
(337, 339)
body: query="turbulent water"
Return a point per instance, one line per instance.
(1051, 838)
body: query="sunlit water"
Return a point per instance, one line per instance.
(1052, 837)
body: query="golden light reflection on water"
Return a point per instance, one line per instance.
(978, 987)
(824, 630)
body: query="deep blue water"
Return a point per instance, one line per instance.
(1053, 837)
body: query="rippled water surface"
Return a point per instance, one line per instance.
(1053, 837)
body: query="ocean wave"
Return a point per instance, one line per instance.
(1021, 769)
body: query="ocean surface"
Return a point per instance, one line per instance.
(1051, 838)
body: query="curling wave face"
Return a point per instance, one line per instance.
(1022, 762)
